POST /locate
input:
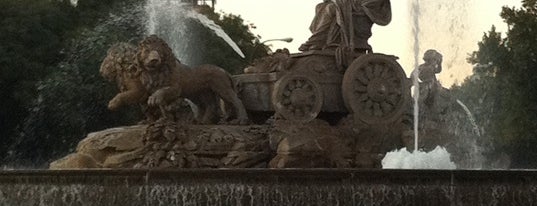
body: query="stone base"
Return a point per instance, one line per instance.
(268, 187)
(171, 146)
(282, 144)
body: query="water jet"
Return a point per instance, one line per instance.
(331, 106)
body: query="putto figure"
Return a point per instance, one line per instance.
(429, 85)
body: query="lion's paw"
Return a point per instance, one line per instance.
(114, 104)
(155, 99)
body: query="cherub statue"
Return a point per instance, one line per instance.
(429, 85)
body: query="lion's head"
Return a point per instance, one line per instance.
(154, 53)
(119, 59)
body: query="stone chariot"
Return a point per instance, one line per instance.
(372, 87)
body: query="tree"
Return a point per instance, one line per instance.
(503, 87)
(30, 45)
(69, 100)
(205, 47)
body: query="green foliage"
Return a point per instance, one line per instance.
(30, 45)
(503, 89)
(50, 53)
(211, 49)
(71, 101)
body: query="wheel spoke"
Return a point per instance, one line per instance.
(312, 99)
(299, 83)
(368, 111)
(292, 85)
(386, 107)
(376, 110)
(392, 80)
(291, 107)
(286, 93)
(361, 77)
(378, 70)
(360, 88)
(392, 99)
(299, 112)
(394, 90)
(385, 73)
(369, 104)
(363, 98)
(369, 72)
(286, 101)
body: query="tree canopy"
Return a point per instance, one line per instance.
(502, 89)
(50, 54)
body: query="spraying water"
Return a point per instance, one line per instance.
(216, 29)
(448, 26)
(475, 151)
(169, 20)
(470, 117)
(74, 2)
(415, 12)
(439, 158)
(416, 96)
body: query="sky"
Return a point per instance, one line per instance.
(453, 27)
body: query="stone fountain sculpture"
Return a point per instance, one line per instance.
(338, 106)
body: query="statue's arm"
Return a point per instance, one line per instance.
(439, 67)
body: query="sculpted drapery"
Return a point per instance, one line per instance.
(346, 23)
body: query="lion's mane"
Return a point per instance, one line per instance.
(160, 78)
(119, 64)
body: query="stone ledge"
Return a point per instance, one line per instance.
(268, 187)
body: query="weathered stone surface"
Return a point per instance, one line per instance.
(315, 144)
(107, 148)
(443, 121)
(103, 144)
(278, 61)
(75, 161)
(171, 145)
(124, 160)
(268, 187)
(209, 146)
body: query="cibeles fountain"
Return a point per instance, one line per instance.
(307, 128)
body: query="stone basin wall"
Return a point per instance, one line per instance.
(281, 144)
(267, 187)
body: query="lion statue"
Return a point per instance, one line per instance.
(119, 66)
(167, 79)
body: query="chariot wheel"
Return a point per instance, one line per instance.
(374, 88)
(297, 98)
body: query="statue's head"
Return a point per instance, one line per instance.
(154, 53)
(432, 55)
(120, 58)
